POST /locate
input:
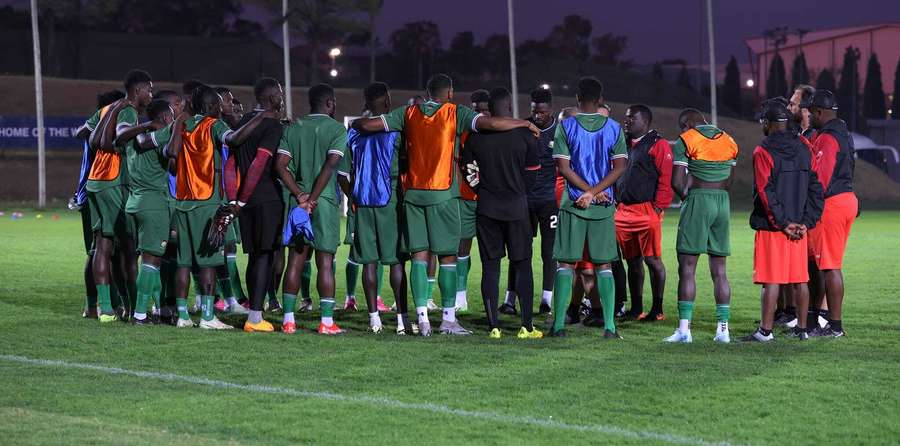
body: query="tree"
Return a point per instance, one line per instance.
(799, 71)
(464, 56)
(496, 52)
(657, 71)
(731, 92)
(684, 79)
(895, 103)
(416, 43)
(371, 8)
(848, 88)
(319, 22)
(826, 81)
(570, 40)
(873, 91)
(608, 49)
(776, 84)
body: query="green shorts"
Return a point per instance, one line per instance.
(467, 219)
(376, 236)
(192, 227)
(432, 228)
(705, 223)
(108, 212)
(153, 227)
(577, 238)
(351, 225)
(86, 230)
(326, 223)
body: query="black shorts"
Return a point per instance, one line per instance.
(261, 226)
(498, 237)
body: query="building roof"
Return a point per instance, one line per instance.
(757, 44)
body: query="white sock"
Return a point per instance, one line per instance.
(327, 320)
(374, 319)
(255, 317)
(422, 313)
(140, 316)
(232, 302)
(547, 297)
(400, 321)
(154, 310)
(449, 314)
(684, 325)
(198, 300)
(460, 297)
(510, 298)
(288, 317)
(722, 327)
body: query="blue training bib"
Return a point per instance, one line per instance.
(373, 156)
(590, 152)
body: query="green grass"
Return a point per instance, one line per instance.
(837, 391)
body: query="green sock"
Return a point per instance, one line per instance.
(147, 282)
(448, 278)
(156, 294)
(379, 270)
(305, 279)
(326, 306)
(723, 312)
(562, 293)
(606, 285)
(225, 287)
(181, 304)
(234, 278)
(208, 308)
(462, 272)
(418, 280)
(351, 276)
(685, 309)
(103, 299)
(289, 302)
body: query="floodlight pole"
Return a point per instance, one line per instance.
(712, 63)
(39, 105)
(512, 59)
(286, 39)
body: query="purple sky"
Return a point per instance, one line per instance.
(656, 29)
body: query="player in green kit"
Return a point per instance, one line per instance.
(702, 173)
(310, 150)
(591, 155)
(108, 189)
(431, 133)
(195, 143)
(370, 172)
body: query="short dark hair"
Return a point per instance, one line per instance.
(689, 112)
(106, 98)
(189, 86)
(165, 94)
(374, 91)
(135, 77)
(222, 90)
(319, 94)
(481, 95)
(201, 95)
(644, 110)
(498, 95)
(235, 101)
(541, 96)
(262, 84)
(157, 107)
(438, 83)
(589, 89)
(806, 92)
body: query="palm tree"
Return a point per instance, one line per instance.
(371, 8)
(417, 41)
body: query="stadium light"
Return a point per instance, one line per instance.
(333, 72)
(750, 83)
(335, 52)
(545, 86)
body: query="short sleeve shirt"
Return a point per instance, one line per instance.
(309, 141)
(502, 159)
(702, 169)
(465, 121)
(218, 132)
(148, 177)
(592, 123)
(128, 116)
(266, 136)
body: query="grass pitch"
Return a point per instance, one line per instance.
(68, 380)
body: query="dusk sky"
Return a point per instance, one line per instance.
(656, 29)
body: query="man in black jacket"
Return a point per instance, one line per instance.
(787, 202)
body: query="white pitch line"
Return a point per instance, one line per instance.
(372, 400)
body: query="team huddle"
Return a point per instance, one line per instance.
(165, 201)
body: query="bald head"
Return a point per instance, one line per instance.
(690, 118)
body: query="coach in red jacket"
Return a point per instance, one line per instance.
(787, 202)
